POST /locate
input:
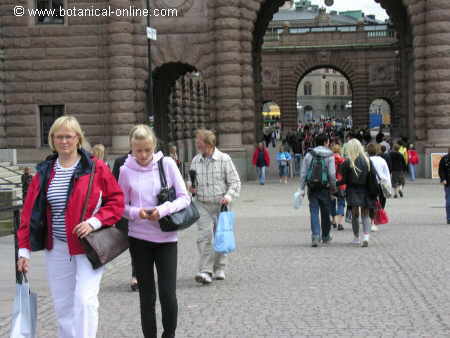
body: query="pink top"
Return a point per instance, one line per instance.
(140, 186)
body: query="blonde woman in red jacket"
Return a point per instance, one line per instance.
(50, 221)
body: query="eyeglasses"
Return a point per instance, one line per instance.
(61, 138)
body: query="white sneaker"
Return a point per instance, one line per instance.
(356, 241)
(374, 228)
(365, 242)
(219, 275)
(203, 278)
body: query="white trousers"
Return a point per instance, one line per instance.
(74, 286)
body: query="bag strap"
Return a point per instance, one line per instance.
(88, 195)
(162, 174)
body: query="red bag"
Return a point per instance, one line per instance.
(381, 216)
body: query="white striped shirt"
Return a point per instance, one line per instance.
(57, 197)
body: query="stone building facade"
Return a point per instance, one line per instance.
(96, 67)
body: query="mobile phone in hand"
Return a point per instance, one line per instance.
(149, 211)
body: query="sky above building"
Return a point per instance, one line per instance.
(367, 6)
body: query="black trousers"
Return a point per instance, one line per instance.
(146, 255)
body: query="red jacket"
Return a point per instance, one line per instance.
(413, 158)
(106, 201)
(338, 161)
(266, 156)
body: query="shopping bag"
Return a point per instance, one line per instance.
(298, 200)
(381, 216)
(24, 315)
(224, 241)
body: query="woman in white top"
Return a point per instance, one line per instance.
(383, 172)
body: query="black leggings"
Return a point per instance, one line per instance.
(146, 255)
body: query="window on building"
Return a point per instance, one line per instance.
(49, 12)
(48, 115)
(334, 71)
(327, 88)
(349, 90)
(342, 89)
(334, 88)
(327, 70)
(307, 88)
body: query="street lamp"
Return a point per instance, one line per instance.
(150, 104)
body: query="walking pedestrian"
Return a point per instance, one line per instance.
(297, 149)
(444, 175)
(149, 245)
(413, 161)
(50, 220)
(261, 161)
(174, 155)
(355, 171)
(383, 173)
(218, 184)
(283, 159)
(338, 200)
(399, 169)
(319, 173)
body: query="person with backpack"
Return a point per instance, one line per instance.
(356, 172)
(319, 173)
(283, 158)
(297, 149)
(261, 160)
(399, 168)
(413, 161)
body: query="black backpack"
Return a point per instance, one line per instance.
(373, 187)
(317, 176)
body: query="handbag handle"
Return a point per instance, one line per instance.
(162, 174)
(88, 195)
(223, 208)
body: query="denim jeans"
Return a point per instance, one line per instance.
(412, 171)
(297, 164)
(261, 173)
(320, 200)
(283, 169)
(338, 206)
(447, 202)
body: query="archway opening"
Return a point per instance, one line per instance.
(308, 25)
(380, 116)
(181, 100)
(324, 93)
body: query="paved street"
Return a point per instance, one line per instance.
(278, 286)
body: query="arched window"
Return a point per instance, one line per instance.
(334, 88)
(349, 90)
(342, 89)
(327, 88)
(307, 88)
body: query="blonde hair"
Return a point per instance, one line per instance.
(142, 132)
(354, 150)
(70, 122)
(99, 151)
(207, 136)
(336, 149)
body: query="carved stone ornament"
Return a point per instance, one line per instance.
(271, 78)
(180, 5)
(381, 74)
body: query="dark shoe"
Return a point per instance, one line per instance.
(315, 243)
(327, 239)
(448, 221)
(395, 196)
(334, 225)
(401, 193)
(340, 227)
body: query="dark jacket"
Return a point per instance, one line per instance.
(397, 161)
(352, 177)
(444, 169)
(122, 224)
(297, 146)
(106, 202)
(387, 158)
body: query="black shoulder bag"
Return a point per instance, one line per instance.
(180, 220)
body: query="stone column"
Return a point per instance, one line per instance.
(437, 71)
(228, 88)
(121, 76)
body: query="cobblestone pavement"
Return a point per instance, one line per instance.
(278, 286)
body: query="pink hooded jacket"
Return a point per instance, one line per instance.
(140, 186)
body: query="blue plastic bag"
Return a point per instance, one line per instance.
(24, 315)
(224, 241)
